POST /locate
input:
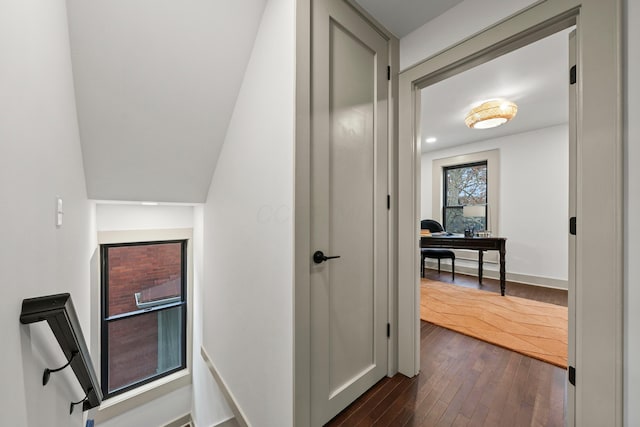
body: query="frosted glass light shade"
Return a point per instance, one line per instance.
(491, 114)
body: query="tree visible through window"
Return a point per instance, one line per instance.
(464, 185)
(143, 313)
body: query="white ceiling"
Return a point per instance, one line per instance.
(535, 77)
(156, 83)
(403, 16)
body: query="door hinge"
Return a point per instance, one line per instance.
(573, 75)
(572, 375)
(388, 330)
(388, 201)
(388, 72)
(572, 225)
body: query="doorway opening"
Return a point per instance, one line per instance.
(436, 71)
(511, 181)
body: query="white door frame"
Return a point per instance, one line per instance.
(599, 201)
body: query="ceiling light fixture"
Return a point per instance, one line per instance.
(430, 140)
(490, 114)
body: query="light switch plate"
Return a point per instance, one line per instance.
(59, 212)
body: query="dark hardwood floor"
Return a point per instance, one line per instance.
(467, 382)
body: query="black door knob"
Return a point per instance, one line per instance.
(319, 257)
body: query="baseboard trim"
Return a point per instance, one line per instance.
(229, 422)
(525, 279)
(239, 416)
(181, 421)
(187, 420)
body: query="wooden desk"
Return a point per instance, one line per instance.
(479, 244)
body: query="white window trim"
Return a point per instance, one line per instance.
(145, 393)
(492, 157)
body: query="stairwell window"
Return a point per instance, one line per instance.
(143, 312)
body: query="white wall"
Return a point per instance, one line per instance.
(40, 158)
(248, 260)
(534, 192)
(203, 399)
(122, 217)
(139, 217)
(160, 412)
(458, 23)
(632, 227)
(208, 407)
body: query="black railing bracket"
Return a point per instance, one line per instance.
(61, 316)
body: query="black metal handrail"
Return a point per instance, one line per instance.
(61, 316)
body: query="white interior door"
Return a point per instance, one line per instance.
(349, 208)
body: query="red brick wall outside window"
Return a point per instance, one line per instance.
(156, 272)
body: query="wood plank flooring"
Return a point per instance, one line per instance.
(467, 382)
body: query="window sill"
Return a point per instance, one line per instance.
(146, 393)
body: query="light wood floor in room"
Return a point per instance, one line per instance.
(467, 382)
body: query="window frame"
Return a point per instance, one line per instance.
(492, 157)
(106, 319)
(126, 401)
(445, 190)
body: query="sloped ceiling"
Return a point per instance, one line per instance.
(156, 82)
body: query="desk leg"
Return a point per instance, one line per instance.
(503, 251)
(480, 256)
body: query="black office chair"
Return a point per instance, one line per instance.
(434, 227)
